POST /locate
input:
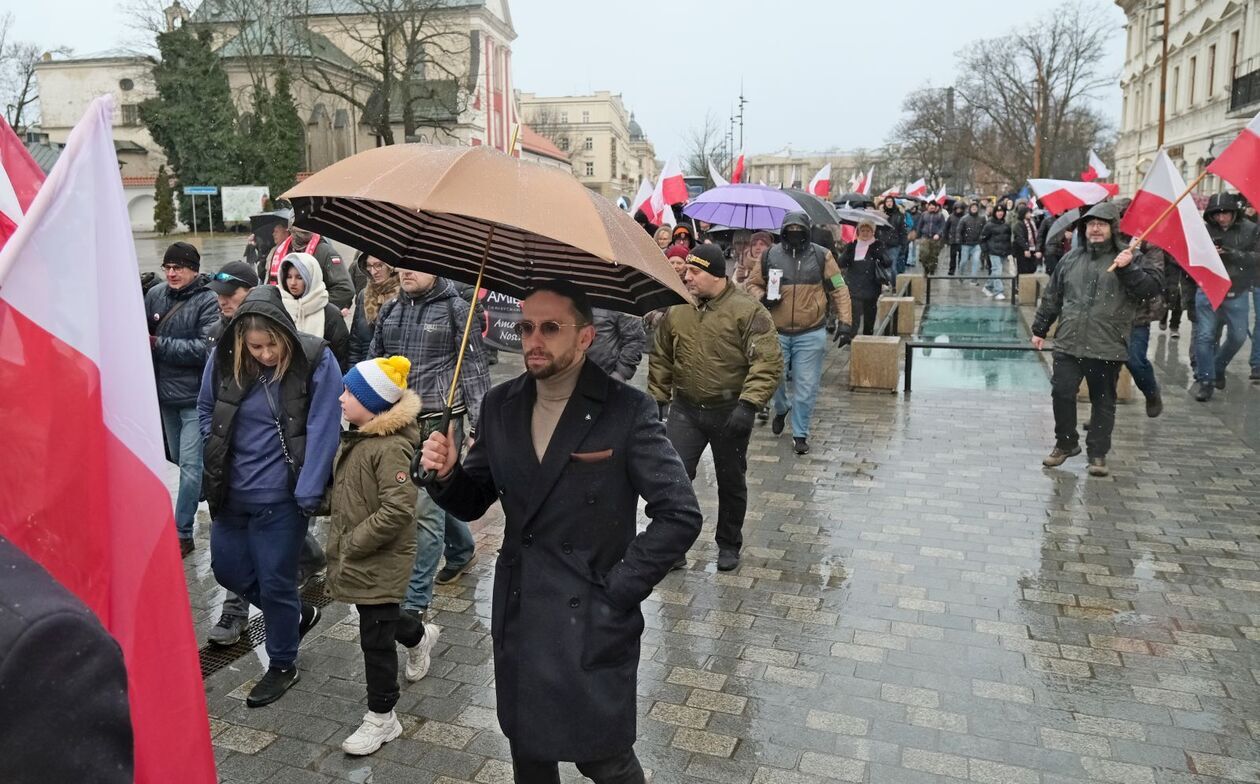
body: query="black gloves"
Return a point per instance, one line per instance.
(662, 410)
(740, 423)
(844, 335)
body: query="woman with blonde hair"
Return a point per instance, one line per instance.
(663, 237)
(758, 244)
(382, 286)
(271, 420)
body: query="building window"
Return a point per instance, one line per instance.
(1194, 71)
(564, 118)
(563, 143)
(1176, 88)
(1233, 55)
(590, 169)
(588, 144)
(131, 114)
(126, 85)
(1211, 87)
(586, 117)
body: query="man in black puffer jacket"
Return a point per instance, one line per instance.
(995, 242)
(1237, 242)
(181, 312)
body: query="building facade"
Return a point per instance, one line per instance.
(788, 168)
(608, 150)
(1213, 85)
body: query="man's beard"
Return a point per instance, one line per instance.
(556, 365)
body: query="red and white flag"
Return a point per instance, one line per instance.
(658, 210)
(893, 191)
(855, 181)
(20, 178)
(1059, 196)
(83, 494)
(642, 199)
(864, 184)
(737, 174)
(1240, 162)
(716, 176)
(820, 185)
(671, 185)
(1182, 233)
(1097, 169)
(941, 196)
(917, 189)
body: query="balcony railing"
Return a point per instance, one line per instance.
(1245, 90)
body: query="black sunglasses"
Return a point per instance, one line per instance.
(549, 329)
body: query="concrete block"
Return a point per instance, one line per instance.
(874, 363)
(1031, 286)
(918, 285)
(904, 321)
(1125, 389)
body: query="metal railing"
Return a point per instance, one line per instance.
(1014, 279)
(911, 345)
(1244, 91)
(883, 327)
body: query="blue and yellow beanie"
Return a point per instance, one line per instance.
(378, 383)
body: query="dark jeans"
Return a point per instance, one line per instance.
(621, 769)
(955, 254)
(1139, 366)
(690, 430)
(310, 560)
(1100, 375)
(381, 628)
(254, 552)
(864, 311)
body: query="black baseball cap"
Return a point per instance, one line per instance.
(234, 275)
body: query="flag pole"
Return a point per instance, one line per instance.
(1167, 211)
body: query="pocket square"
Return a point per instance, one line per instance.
(591, 457)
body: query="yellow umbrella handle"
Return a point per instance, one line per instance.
(428, 477)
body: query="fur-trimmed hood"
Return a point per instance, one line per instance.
(397, 418)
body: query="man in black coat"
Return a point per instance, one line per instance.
(62, 683)
(569, 452)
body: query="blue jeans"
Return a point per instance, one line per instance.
(254, 552)
(802, 366)
(894, 258)
(311, 559)
(1255, 332)
(183, 439)
(912, 253)
(1139, 366)
(437, 532)
(1210, 360)
(969, 264)
(996, 264)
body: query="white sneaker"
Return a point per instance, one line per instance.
(988, 293)
(418, 656)
(376, 730)
(999, 296)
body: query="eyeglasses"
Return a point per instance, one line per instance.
(376, 265)
(549, 329)
(225, 277)
(169, 267)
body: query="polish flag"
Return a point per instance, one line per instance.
(716, 176)
(20, 178)
(820, 185)
(1097, 169)
(658, 209)
(83, 492)
(1059, 196)
(893, 191)
(1180, 231)
(941, 196)
(737, 175)
(855, 181)
(642, 199)
(1240, 163)
(917, 189)
(864, 184)
(672, 186)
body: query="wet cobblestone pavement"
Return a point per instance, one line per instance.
(919, 601)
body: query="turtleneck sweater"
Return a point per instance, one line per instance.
(552, 396)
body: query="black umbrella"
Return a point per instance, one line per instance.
(820, 211)
(855, 199)
(1063, 223)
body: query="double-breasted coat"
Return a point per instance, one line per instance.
(573, 568)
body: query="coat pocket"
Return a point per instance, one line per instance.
(612, 636)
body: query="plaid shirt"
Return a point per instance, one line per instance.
(427, 330)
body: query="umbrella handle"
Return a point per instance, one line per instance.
(426, 478)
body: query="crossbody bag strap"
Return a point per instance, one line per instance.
(275, 417)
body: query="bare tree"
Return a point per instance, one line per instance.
(19, 89)
(704, 144)
(410, 63)
(551, 124)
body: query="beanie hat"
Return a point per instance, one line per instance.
(378, 383)
(708, 258)
(182, 254)
(677, 252)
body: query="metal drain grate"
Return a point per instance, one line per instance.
(215, 657)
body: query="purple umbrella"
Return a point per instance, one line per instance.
(742, 206)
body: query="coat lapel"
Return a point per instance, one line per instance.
(577, 420)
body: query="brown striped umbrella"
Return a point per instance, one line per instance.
(443, 210)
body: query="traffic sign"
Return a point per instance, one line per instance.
(200, 190)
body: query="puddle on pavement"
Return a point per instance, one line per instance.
(976, 368)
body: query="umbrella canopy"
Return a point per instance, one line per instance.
(854, 199)
(1063, 223)
(442, 209)
(820, 211)
(267, 219)
(742, 206)
(852, 217)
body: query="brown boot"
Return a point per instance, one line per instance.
(1058, 456)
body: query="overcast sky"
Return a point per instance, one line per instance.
(817, 74)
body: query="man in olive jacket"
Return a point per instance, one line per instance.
(569, 452)
(718, 362)
(1095, 307)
